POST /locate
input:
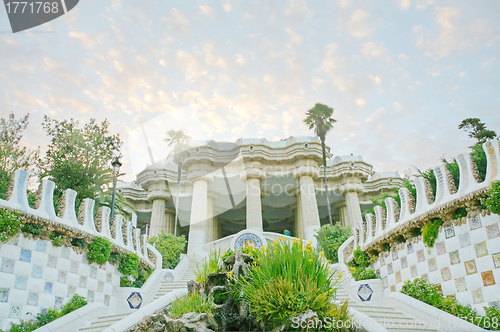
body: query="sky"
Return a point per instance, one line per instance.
(400, 74)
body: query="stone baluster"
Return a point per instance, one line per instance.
(391, 205)
(370, 227)
(492, 148)
(66, 209)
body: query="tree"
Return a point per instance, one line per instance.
(319, 118)
(12, 155)
(477, 129)
(79, 159)
(180, 143)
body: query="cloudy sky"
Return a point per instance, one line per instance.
(400, 74)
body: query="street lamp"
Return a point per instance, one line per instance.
(116, 169)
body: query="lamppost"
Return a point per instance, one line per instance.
(116, 169)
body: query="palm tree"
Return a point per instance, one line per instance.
(180, 143)
(319, 118)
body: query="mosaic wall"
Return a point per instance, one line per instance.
(464, 263)
(35, 275)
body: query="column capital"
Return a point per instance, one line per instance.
(253, 173)
(208, 178)
(300, 171)
(351, 187)
(159, 194)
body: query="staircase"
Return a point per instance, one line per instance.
(165, 288)
(392, 319)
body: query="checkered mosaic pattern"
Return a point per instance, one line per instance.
(464, 262)
(36, 276)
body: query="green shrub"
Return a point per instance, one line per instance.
(80, 243)
(76, 302)
(361, 258)
(492, 321)
(47, 317)
(492, 200)
(59, 241)
(211, 264)
(421, 290)
(330, 239)
(170, 247)
(99, 250)
(34, 229)
(460, 213)
(24, 326)
(10, 224)
(193, 302)
(362, 273)
(129, 264)
(430, 232)
(142, 276)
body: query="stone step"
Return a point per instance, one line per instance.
(102, 323)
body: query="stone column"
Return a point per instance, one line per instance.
(343, 215)
(253, 174)
(170, 219)
(306, 173)
(199, 214)
(352, 205)
(158, 218)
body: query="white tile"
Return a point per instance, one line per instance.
(59, 289)
(479, 308)
(45, 300)
(63, 264)
(478, 235)
(73, 279)
(7, 280)
(108, 289)
(52, 250)
(443, 261)
(473, 281)
(99, 297)
(458, 270)
(92, 284)
(29, 312)
(10, 251)
(434, 277)
(419, 245)
(74, 256)
(484, 263)
(81, 291)
(26, 243)
(18, 296)
(23, 268)
(412, 258)
(491, 293)
(50, 274)
(464, 297)
(491, 219)
(448, 287)
(396, 265)
(4, 310)
(453, 243)
(115, 279)
(101, 274)
(405, 274)
(496, 275)
(467, 253)
(84, 269)
(35, 285)
(39, 258)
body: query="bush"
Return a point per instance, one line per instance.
(430, 232)
(129, 264)
(330, 239)
(76, 302)
(211, 264)
(170, 247)
(361, 258)
(99, 250)
(34, 229)
(10, 224)
(80, 243)
(59, 241)
(421, 290)
(492, 200)
(362, 273)
(193, 302)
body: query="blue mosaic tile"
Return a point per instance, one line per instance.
(464, 240)
(90, 296)
(25, 255)
(410, 248)
(37, 271)
(48, 287)
(15, 311)
(475, 222)
(58, 304)
(495, 304)
(365, 292)
(492, 231)
(32, 298)
(44, 310)
(4, 294)
(7, 265)
(14, 240)
(21, 282)
(93, 271)
(63, 275)
(134, 300)
(41, 245)
(106, 299)
(52, 261)
(449, 231)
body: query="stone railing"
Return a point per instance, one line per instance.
(397, 223)
(123, 235)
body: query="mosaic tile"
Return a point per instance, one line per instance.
(445, 274)
(470, 267)
(32, 298)
(413, 271)
(385, 282)
(7, 265)
(65, 252)
(439, 288)
(85, 260)
(394, 255)
(481, 249)
(15, 311)
(134, 300)
(420, 255)
(108, 277)
(464, 240)
(393, 288)
(496, 260)
(83, 282)
(93, 271)
(477, 296)
(115, 290)
(14, 240)
(398, 277)
(48, 287)
(449, 231)
(410, 248)
(106, 299)
(454, 257)
(58, 303)
(488, 278)
(21, 282)
(440, 248)
(4, 294)
(365, 292)
(90, 296)
(377, 272)
(389, 268)
(460, 284)
(74, 267)
(103, 266)
(425, 276)
(44, 310)
(71, 291)
(404, 262)
(62, 276)
(100, 286)
(492, 231)
(495, 304)
(41, 245)
(37, 271)
(25, 255)
(475, 223)
(432, 264)
(52, 262)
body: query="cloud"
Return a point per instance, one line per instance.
(84, 38)
(189, 65)
(206, 10)
(360, 24)
(405, 4)
(373, 49)
(299, 7)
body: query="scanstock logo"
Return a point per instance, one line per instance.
(25, 15)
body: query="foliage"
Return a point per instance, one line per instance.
(421, 290)
(34, 229)
(460, 213)
(361, 258)
(211, 264)
(453, 168)
(170, 247)
(362, 273)
(76, 302)
(193, 302)
(492, 200)
(80, 243)
(59, 241)
(142, 276)
(10, 224)
(99, 250)
(330, 239)
(129, 264)
(479, 157)
(430, 232)
(477, 129)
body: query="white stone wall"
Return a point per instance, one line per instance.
(35, 275)
(464, 262)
